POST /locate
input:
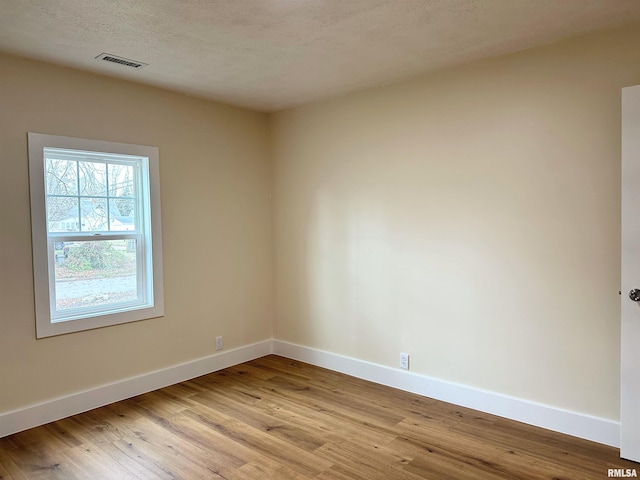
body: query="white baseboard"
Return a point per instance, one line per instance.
(35, 415)
(579, 425)
(597, 429)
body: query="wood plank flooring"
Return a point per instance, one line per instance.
(275, 418)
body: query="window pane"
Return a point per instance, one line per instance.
(93, 178)
(121, 180)
(122, 216)
(62, 214)
(94, 214)
(61, 177)
(95, 273)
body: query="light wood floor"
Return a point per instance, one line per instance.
(275, 418)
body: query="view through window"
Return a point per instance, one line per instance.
(101, 195)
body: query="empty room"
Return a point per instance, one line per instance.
(284, 239)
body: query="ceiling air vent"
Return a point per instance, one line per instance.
(107, 57)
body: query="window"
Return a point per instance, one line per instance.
(95, 218)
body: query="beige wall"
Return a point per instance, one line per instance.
(215, 189)
(470, 218)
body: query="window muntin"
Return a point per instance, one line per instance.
(96, 233)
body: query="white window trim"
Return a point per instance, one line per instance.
(45, 327)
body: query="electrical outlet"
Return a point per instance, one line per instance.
(218, 343)
(404, 361)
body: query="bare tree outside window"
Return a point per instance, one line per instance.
(89, 196)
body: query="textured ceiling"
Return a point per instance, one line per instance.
(273, 54)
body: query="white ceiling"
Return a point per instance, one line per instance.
(270, 55)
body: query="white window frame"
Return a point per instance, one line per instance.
(148, 241)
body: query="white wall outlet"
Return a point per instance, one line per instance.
(404, 361)
(218, 343)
